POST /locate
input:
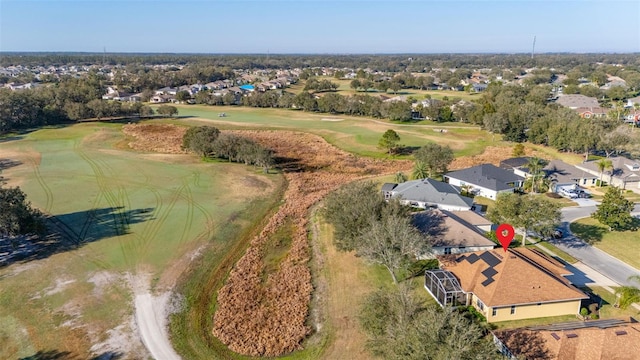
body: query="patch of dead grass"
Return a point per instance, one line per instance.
(492, 155)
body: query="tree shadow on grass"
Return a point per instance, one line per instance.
(590, 234)
(8, 163)
(71, 231)
(66, 355)
(406, 150)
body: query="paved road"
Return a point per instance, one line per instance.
(597, 259)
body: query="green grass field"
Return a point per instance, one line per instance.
(624, 245)
(121, 212)
(358, 135)
(344, 88)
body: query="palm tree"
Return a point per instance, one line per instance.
(602, 165)
(400, 177)
(627, 295)
(420, 171)
(535, 166)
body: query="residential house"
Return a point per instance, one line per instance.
(161, 99)
(485, 180)
(519, 283)
(453, 232)
(585, 340)
(561, 174)
(613, 81)
(121, 96)
(427, 193)
(625, 173)
(166, 91)
(517, 165)
(479, 87)
(631, 102)
(633, 117)
(575, 101)
(590, 113)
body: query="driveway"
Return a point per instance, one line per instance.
(585, 202)
(590, 256)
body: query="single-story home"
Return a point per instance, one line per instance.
(485, 180)
(425, 193)
(625, 173)
(160, 99)
(520, 283)
(453, 232)
(575, 101)
(517, 165)
(592, 112)
(585, 340)
(562, 174)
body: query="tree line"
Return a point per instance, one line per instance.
(68, 100)
(390, 62)
(209, 142)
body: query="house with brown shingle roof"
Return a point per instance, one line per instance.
(453, 232)
(517, 284)
(591, 340)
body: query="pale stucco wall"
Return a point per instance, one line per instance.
(570, 307)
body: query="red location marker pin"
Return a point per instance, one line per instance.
(505, 234)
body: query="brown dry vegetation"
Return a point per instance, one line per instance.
(265, 314)
(492, 155)
(163, 138)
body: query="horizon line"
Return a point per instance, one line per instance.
(319, 53)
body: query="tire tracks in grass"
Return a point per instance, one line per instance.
(43, 184)
(115, 202)
(146, 236)
(67, 233)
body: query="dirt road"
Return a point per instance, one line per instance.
(151, 318)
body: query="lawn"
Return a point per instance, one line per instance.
(533, 322)
(624, 245)
(359, 135)
(124, 216)
(348, 280)
(344, 88)
(607, 310)
(561, 254)
(598, 194)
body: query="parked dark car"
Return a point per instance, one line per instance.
(557, 234)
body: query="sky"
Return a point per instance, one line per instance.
(320, 27)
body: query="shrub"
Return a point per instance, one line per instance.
(476, 313)
(584, 312)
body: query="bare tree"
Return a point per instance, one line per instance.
(392, 241)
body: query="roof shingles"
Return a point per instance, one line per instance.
(522, 277)
(487, 176)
